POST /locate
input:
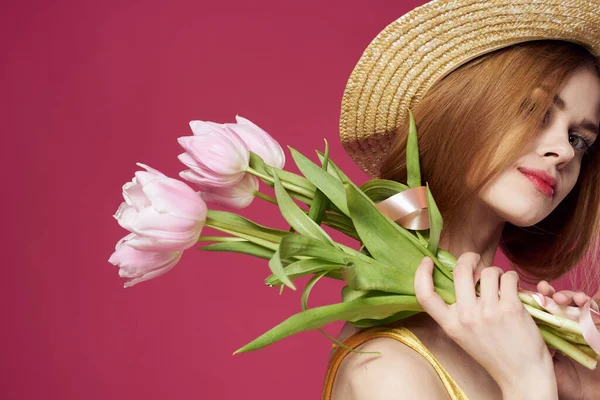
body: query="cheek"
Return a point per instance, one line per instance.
(513, 199)
(569, 179)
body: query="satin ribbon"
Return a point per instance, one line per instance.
(587, 316)
(407, 208)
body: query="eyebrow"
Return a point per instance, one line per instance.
(585, 123)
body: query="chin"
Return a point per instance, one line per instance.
(521, 214)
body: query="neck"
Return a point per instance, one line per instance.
(480, 232)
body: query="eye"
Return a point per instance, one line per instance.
(578, 141)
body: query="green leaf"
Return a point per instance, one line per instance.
(311, 283)
(377, 276)
(382, 189)
(296, 180)
(234, 221)
(342, 228)
(320, 201)
(334, 170)
(386, 241)
(296, 217)
(447, 259)
(251, 236)
(423, 237)
(277, 269)
(349, 294)
(300, 245)
(329, 185)
(318, 317)
(390, 243)
(304, 267)
(240, 247)
(369, 322)
(304, 304)
(436, 223)
(258, 165)
(413, 168)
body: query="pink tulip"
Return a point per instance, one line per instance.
(165, 217)
(166, 214)
(237, 196)
(216, 155)
(141, 265)
(259, 142)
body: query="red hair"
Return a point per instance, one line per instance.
(485, 109)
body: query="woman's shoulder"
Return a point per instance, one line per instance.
(396, 369)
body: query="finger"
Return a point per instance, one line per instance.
(509, 287)
(464, 285)
(490, 283)
(545, 288)
(580, 299)
(431, 302)
(563, 298)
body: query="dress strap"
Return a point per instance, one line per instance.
(400, 334)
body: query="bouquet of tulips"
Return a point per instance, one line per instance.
(226, 161)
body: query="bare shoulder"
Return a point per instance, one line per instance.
(397, 373)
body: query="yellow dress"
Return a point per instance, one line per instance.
(402, 335)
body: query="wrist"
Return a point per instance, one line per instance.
(539, 383)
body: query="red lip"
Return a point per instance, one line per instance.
(543, 175)
(546, 178)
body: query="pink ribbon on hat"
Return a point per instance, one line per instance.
(587, 316)
(407, 208)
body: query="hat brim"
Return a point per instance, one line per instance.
(429, 42)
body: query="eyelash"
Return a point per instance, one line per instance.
(585, 140)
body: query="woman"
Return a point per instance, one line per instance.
(507, 128)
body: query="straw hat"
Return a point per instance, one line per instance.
(428, 43)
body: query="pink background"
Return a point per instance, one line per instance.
(90, 88)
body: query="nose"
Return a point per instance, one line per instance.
(555, 145)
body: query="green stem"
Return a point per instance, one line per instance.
(220, 239)
(567, 348)
(287, 185)
(555, 321)
(264, 239)
(527, 299)
(448, 297)
(265, 197)
(569, 337)
(588, 350)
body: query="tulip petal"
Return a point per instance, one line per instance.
(259, 141)
(133, 195)
(150, 244)
(149, 175)
(200, 128)
(141, 265)
(237, 197)
(164, 231)
(175, 198)
(206, 183)
(220, 154)
(126, 216)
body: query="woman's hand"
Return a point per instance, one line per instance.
(574, 381)
(494, 328)
(564, 297)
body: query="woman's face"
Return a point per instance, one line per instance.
(548, 168)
